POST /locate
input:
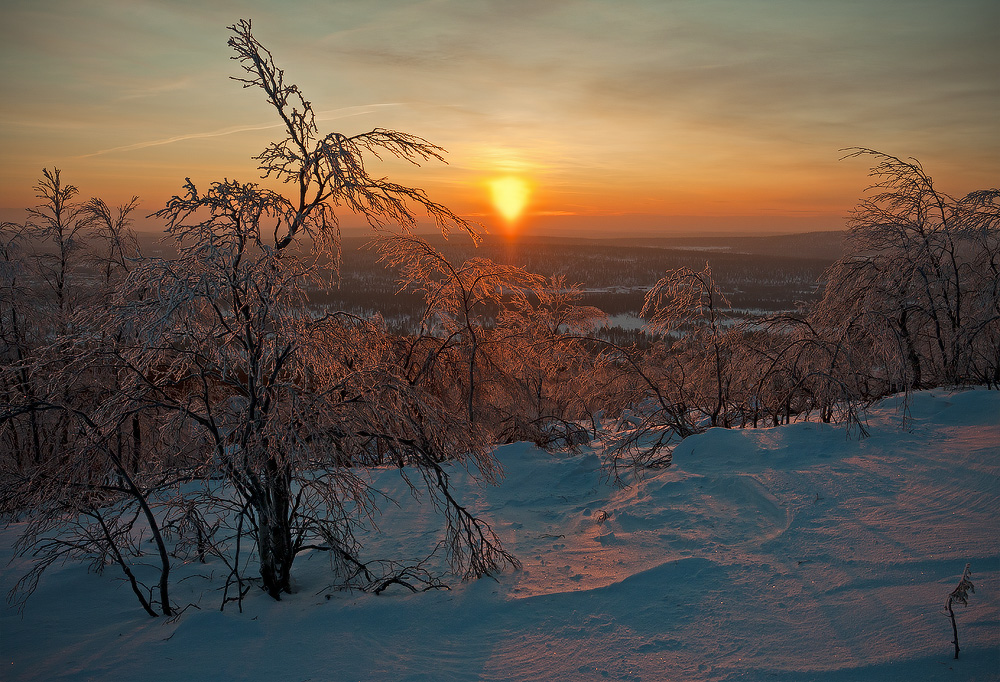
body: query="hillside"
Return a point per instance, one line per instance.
(790, 553)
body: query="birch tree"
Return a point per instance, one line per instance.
(293, 406)
(690, 304)
(918, 262)
(255, 421)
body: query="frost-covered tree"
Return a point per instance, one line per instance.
(82, 493)
(497, 340)
(459, 302)
(113, 228)
(292, 407)
(690, 305)
(913, 303)
(19, 336)
(918, 285)
(545, 350)
(208, 407)
(59, 224)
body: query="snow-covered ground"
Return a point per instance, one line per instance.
(790, 553)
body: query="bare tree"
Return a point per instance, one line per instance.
(114, 228)
(913, 303)
(916, 258)
(795, 364)
(60, 224)
(457, 298)
(690, 304)
(293, 406)
(19, 336)
(75, 497)
(330, 170)
(545, 348)
(45, 261)
(643, 392)
(214, 367)
(980, 219)
(85, 504)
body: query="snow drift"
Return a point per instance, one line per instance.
(787, 553)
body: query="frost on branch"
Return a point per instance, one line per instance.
(200, 400)
(329, 171)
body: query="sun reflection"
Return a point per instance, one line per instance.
(510, 196)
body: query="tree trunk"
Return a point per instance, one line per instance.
(136, 442)
(911, 352)
(472, 376)
(274, 531)
(954, 628)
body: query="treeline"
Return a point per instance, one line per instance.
(208, 405)
(611, 277)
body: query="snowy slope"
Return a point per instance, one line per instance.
(790, 553)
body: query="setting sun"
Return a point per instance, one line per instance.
(510, 196)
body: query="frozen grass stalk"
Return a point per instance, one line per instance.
(959, 595)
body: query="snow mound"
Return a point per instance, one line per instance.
(786, 553)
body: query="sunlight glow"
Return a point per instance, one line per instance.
(510, 196)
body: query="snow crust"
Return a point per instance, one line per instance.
(787, 553)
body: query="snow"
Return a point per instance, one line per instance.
(797, 552)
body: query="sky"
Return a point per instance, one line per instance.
(618, 116)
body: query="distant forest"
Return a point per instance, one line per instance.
(612, 275)
(756, 274)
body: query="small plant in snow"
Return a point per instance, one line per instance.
(960, 595)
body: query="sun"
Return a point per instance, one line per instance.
(510, 196)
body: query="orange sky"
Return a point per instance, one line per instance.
(625, 116)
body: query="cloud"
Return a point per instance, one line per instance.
(327, 115)
(166, 87)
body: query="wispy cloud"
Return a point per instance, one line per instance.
(157, 89)
(327, 115)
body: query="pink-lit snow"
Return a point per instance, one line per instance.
(797, 552)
